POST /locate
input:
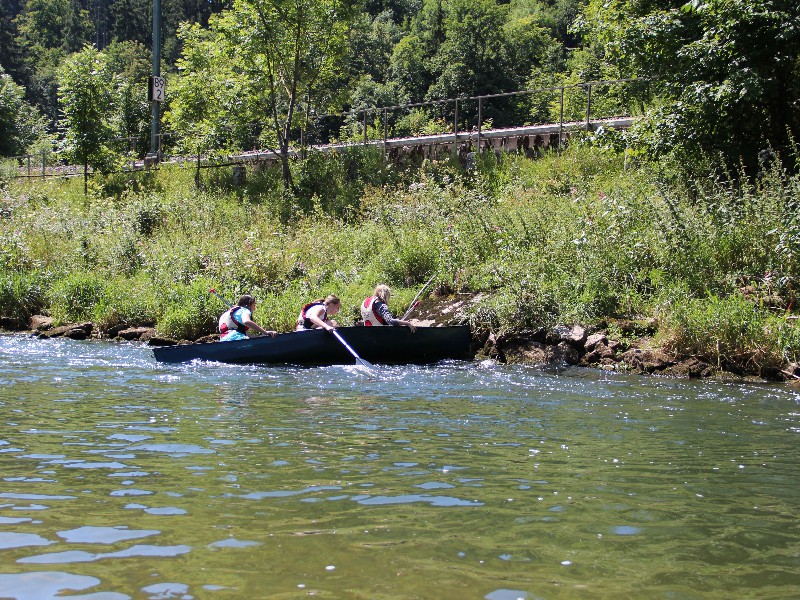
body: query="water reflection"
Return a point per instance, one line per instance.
(455, 481)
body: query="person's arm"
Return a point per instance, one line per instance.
(252, 324)
(314, 314)
(388, 317)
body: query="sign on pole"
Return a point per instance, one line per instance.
(157, 88)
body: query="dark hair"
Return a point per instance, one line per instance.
(246, 301)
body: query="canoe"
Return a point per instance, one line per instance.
(389, 345)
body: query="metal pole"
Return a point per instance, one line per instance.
(365, 127)
(455, 129)
(385, 131)
(154, 122)
(561, 120)
(480, 121)
(44, 162)
(588, 104)
(29, 165)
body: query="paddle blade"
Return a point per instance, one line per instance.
(363, 363)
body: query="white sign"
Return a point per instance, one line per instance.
(157, 88)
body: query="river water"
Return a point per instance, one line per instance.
(125, 478)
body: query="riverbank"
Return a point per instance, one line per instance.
(666, 267)
(553, 350)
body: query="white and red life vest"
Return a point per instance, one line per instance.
(368, 313)
(304, 322)
(229, 322)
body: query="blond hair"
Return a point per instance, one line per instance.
(382, 293)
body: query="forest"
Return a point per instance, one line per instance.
(717, 79)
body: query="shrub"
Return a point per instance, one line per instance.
(191, 311)
(77, 297)
(21, 296)
(729, 331)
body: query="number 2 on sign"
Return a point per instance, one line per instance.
(159, 85)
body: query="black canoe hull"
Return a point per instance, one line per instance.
(389, 345)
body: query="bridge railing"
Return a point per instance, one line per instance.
(564, 105)
(450, 120)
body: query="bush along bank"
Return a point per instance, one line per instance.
(656, 261)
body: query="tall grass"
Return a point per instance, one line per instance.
(575, 238)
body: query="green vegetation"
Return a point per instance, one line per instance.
(576, 238)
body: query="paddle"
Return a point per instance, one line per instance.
(414, 302)
(214, 292)
(359, 361)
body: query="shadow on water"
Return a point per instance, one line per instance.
(125, 478)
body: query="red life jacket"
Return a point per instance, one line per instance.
(368, 312)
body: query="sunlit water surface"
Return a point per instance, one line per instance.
(124, 478)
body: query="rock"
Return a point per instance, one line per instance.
(159, 341)
(575, 335)
(543, 355)
(593, 340)
(600, 354)
(564, 353)
(133, 333)
(647, 360)
(76, 334)
(72, 330)
(691, 367)
(524, 352)
(114, 330)
(206, 339)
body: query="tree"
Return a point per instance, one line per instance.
(280, 53)
(20, 123)
(728, 71)
(85, 95)
(50, 30)
(131, 64)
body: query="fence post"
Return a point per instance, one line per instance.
(385, 132)
(44, 162)
(29, 165)
(455, 129)
(480, 122)
(365, 127)
(561, 120)
(588, 105)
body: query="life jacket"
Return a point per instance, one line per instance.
(228, 322)
(368, 312)
(305, 323)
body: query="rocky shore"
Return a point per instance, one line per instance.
(551, 349)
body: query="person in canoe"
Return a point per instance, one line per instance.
(234, 322)
(316, 314)
(375, 310)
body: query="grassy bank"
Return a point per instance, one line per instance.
(576, 238)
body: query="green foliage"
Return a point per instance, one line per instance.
(732, 332)
(726, 69)
(77, 297)
(21, 125)
(85, 95)
(21, 295)
(191, 312)
(569, 238)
